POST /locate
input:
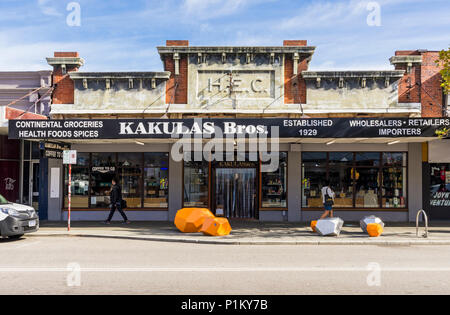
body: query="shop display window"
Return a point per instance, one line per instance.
(103, 171)
(359, 179)
(394, 159)
(367, 182)
(367, 159)
(314, 176)
(196, 177)
(143, 178)
(79, 184)
(340, 175)
(313, 181)
(394, 187)
(130, 178)
(156, 180)
(274, 185)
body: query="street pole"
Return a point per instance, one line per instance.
(70, 196)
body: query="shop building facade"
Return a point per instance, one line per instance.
(28, 95)
(376, 162)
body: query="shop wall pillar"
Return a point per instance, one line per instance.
(55, 200)
(414, 180)
(43, 188)
(294, 186)
(175, 187)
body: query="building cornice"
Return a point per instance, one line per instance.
(119, 75)
(236, 49)
(69, 109)
(73, 61)
(353, 74)
(407, 59)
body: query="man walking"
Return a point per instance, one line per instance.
(116, 202)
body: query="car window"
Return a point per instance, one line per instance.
(3, 200)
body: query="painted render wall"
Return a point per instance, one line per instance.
(119, 96)
(352, 97)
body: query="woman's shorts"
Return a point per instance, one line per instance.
(328, 207)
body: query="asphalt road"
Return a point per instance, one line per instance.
(49, 265)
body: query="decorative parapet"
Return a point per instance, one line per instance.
(361, 77)
(369, 91)
(236, 49)
(352, 74)
(119, 75)
(115, 91)
(110, 77)
(249, 53)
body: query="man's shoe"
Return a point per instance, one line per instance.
(107, 222)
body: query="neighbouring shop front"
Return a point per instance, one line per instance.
(20, 171)
(10, 169)
(371, 174)
(437, 180)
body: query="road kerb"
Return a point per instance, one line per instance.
(337, 241)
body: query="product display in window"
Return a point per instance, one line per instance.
(80, 182)
(394, 159)
(311, 188)
(130, 175)
(341, 182)
(273, 186)
(367, 186)
(156, 180)
(360, 179)
(394, 187)
(103, 171)
(143, 177)
(196, 184)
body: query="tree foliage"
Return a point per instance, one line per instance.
(444, 60)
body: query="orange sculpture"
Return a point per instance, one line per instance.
(313, 226)
(216, 227)
(190, 220)
(374, 229)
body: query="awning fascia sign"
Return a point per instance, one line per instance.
(92, 129)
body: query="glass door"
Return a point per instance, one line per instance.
(235, 192)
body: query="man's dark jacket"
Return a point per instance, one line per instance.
(116, 194)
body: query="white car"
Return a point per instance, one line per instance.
(16, 219)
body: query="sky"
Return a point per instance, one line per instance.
(123, 35)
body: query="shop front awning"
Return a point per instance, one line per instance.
(288, 130)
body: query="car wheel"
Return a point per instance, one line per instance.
(15, 237)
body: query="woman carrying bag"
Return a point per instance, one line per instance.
(328, 200)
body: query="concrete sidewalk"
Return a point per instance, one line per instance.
(250, 233)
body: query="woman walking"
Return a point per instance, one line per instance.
(328, 200)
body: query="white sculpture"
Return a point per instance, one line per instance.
(329, 226)
(370, 219)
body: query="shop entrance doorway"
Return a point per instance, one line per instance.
(34, 185)
(234, 194)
